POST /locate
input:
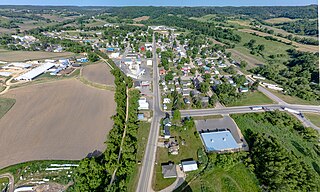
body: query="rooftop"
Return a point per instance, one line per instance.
(169, 171)
(219, 141)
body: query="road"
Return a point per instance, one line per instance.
(11, 181)
(145, 180)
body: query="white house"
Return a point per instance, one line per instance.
(189, 166)
(166, 100)
(143, 104)
(149, 62)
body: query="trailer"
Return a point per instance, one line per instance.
(292, 111)
(255, 108)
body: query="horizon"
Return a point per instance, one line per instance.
(159, 3)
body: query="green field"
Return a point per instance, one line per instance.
(271, 47)
(293, 99)
(236, 178)
(5, 105)
(252, 98)
(314, 118)
(187, 151)
(289, 138)
(143, 134)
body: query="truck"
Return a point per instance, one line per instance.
(292, 110)
(254, 108)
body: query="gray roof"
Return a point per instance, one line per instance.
(169, 171)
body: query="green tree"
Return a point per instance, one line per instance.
(176, 115)
(93, 57)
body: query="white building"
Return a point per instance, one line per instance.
(35, 72)
(189, 166)
(166, 100)
(143, 104)
(149, 62)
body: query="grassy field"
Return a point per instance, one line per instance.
(36, 170)
(314, 118)
(279, 20)
(293, 99)
(288, 138)
(143, 134)
(5, 105)
(252, 98)
(208, 117)
(236, 179)
(271, 47)
(187, 151)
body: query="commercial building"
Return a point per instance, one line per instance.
(35, 72)
(220, 141)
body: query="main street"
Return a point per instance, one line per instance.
(145, 180)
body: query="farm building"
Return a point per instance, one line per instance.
(189, 166)
(35, 72)
(17, 66)
(220, 141)
(5, 73)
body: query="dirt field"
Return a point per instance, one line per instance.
(143, 18)
(60, 120)
(279, 20)
(98, 73)
(11, 56)
(301, 47)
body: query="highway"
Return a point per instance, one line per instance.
(145, 180)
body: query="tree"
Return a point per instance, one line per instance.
(254, 86)
(243, 64)
(239, 79)
(93, 57)
(148, 54)
(176, 115)
(204, 87)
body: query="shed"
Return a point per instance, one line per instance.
(189, 166)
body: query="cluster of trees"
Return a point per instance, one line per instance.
(9, 25)
(165, 56)
(95, 174)
(254, 48)
(276, 167)
(299, 77)
(301, 27)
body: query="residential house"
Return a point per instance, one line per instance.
(169, 170)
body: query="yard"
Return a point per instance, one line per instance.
(314, 118)
(58, 120)
(236, 179)
(187, 151)
(252, 98)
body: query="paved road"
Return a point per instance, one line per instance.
(145, 180)
(11, 181)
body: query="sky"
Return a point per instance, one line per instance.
(160, 2)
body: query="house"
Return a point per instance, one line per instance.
(137, 84)
(162, 71)
(149, 62)
(204, 99)
(169, 170)
(166, 131)
(185, 92)
(243, 89)
(197, 81)
(186, 101)
(189, 166)
(143, 104)
(166, 100)
(166, 121)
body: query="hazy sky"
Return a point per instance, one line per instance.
(159, 2)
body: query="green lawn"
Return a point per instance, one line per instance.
(5, 105)
(236, 178)
(314, 118)
(289, 138)
(143, 134)
(252, 98)
(293, 99)
(187, 151)
(271, 47)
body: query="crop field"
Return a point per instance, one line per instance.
(11, 56)
(98, 73)
(59, 120)
(143, 18)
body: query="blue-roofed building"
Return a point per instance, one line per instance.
(219, 142)
(110, 49)
(140, 116)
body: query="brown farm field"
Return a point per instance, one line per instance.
(143, 18)
(59, 120)
(98, 73)
(10, 56)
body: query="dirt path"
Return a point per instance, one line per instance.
(11, 180)
(252, 62)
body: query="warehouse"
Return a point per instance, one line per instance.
(30, 75)
(220, 141)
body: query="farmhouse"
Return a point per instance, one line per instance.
(220, 141)
(35, 72)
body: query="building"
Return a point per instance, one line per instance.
(30, 75)
(221, 141)
(143, 104)
(189, 166)
(166, 131)
(166, 100)
(169, 170)
(149, 62)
